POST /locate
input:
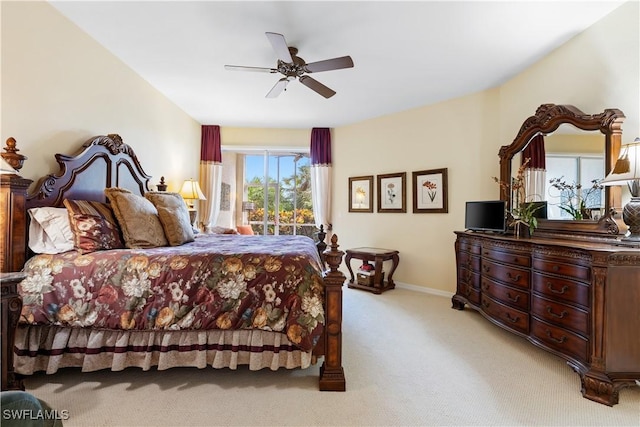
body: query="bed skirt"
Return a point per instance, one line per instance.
(49, 348)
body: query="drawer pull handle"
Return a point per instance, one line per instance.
(555, 268)
(485, 286)
(516, 299)
(564, 289)
(468, 291)
(512, 319)
(557, 316)
(485, 304)
(559, 341)
(515, 278)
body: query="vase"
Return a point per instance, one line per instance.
(522, 230)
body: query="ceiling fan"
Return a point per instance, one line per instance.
(292, 66)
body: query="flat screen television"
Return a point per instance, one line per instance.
(488, 215)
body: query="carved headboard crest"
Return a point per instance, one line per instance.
(103, 161)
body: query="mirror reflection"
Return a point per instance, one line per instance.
(567, 179)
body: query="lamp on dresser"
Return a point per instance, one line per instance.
(627, 171)
(191, 192)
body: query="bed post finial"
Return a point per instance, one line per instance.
(11, 156)
(331, 372)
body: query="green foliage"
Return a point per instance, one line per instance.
(295, 204)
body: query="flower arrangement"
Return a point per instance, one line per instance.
(574, 198)
(522, 212)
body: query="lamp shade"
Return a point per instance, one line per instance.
(191, 190)
(627, 167)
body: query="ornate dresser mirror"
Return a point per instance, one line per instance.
(547, 119)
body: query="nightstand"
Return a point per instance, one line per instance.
(377, 255)
(11, 308)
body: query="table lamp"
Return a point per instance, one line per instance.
(627, 171)
(191, 192)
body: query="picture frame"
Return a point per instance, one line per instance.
(430, 193)
(361, 194)
(392, 192)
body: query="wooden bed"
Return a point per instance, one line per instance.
(106, 162)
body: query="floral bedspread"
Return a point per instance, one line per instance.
(216, 282)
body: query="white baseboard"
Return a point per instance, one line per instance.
(423, 289)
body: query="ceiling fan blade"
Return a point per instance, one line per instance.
(278, 88)
(280, 46)
(329, 64)
(243, 68)
(317, 86)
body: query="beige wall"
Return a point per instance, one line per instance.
(457, 135)
(59, 87)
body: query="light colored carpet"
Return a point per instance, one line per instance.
(409, 360)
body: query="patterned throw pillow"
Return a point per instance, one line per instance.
(174, 216)
(93, 225)
(138, 219)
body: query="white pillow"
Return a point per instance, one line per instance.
(50, 230)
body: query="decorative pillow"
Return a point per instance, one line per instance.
(222, 230)
(93, 225)
(50, 230)
(245, 229)
(138, 219)
(174, 216)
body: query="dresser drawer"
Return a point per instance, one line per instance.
(469, 277)
(510, 317)
(561, 289)
(507, 274)
(559, 339)
(572, 271)
(472, 262)
(470, 293)
(514, 297)
(512, 258)
(562, 315)
(469, 246)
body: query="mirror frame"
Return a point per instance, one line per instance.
(548, 118)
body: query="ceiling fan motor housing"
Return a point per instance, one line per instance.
(292, 69)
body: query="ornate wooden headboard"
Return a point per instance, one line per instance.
(101, 162)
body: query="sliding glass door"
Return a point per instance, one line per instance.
(278, 184)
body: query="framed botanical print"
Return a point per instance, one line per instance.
(392, 192)
(430, 191)
(361, 194)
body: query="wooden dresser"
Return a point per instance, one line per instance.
(577, 299)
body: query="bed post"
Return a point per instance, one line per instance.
(331, 372)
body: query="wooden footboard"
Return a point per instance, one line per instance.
(331, 372)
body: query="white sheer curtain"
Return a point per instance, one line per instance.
(321, 172)
(210, 176)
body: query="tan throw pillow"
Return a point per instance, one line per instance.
(93, 225)
(138, 219)
(174, 216)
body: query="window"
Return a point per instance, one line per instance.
(573, 169)
(279, 182)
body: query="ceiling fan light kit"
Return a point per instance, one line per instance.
(292, 67)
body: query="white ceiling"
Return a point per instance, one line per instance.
(406, 54)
